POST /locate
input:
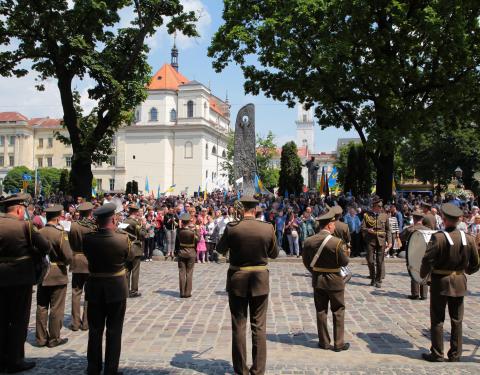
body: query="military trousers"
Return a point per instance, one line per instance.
(15, 304)
(111, 316)
(78, 285)
(418, 290)
(49, 323)
(376, 260)
(258, 307)
(336, 299)
(438, 303)
(185, 275)
(133, 275)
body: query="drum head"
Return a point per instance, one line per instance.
(417, 247)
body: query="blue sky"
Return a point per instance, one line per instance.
(20, 94)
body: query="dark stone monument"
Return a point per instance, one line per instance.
(312, 173)
(245, 155)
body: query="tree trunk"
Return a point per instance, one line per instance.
(81, 177)
(384, 168)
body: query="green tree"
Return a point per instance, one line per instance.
(64, 183)
(266, 150)
(355, 169)
(84, 40)
(383, 68)
(227, 165)
(50, 180)
(435, 155)
(290, 179)
(14, 180)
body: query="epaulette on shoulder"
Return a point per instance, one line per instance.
(60, 228)
(233, 223)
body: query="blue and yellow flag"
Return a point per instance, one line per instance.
(332, 180)
(171, 189)
(147, 186)
(158, 192)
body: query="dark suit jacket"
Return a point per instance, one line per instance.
(15, 243)
(60, 256)
(107, 251)
(332, 256)
(441, 256)
(251, 243)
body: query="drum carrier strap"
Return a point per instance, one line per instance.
(320, 249)
(450, 241)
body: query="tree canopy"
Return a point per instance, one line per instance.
(355, 169)
(383, 68)
(71, 41)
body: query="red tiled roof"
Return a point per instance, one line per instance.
(216, 107)
(12, 116)
(167, 78)
(45, 122)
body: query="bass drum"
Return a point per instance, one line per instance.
(417, 247)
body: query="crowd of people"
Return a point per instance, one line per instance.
(293, 218)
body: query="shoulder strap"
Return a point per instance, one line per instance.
(319, 251)
(449, 238)
(464, 238)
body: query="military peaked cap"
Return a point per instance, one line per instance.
(326, 217)
(16, 199)
(87, 206)
(185, 216)
(451, 210)
(54, 211)
(107, 210)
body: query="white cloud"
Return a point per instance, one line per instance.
(183, 42)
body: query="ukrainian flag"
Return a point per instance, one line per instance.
(171, 189)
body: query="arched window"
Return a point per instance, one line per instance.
(190, 108)
(173, 115)
(214, 150)
(224, 154)
(206, 151)
(188, 150)
(153, 114)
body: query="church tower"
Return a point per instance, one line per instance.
(305, 128)
(174, 54)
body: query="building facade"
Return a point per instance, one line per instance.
(178, 138)
(305, 128)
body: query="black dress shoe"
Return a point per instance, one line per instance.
(328, 347)
(372, 283)
(135, 294)
(454, 359)
(57, 343)
(378, 285)
(413, 297)
(423, 298)
(345, 346)
(74, 329)
(430, 357)
(23, 366)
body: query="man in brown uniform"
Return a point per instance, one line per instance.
(79, 265)
(107, 252)
(136, 232)
(341, 229)
(323, 255)
(428, 218)
(53, 290)
(18, 242)
(250, 243)
(185, 245)
(375, 230)
(418, 290)
(450, 254)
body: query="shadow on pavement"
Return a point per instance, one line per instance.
(305, 274)
(170, 293)
(189, 359)
(386, 343)
(390, 294)
(466, 341)
(308, 340)
(302, 294)
(221, 293)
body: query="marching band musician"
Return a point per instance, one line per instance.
(375, 229)
(250, 243)
(418, 290)
(52, 291)
(185, 245)
(79, 266)
(450, 254)
(341, 229)
(323, 255)
(137, 232)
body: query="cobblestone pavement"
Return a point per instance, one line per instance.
(167, 335)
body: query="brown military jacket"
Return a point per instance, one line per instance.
(379, 224)
(60, 255)
(251, 243)
(441, 256)
(342, 231)
(333, 256)
(107, 252)
(77, 231)
(136, 232)
(430, 221)
(15, 243)
(186, 242)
